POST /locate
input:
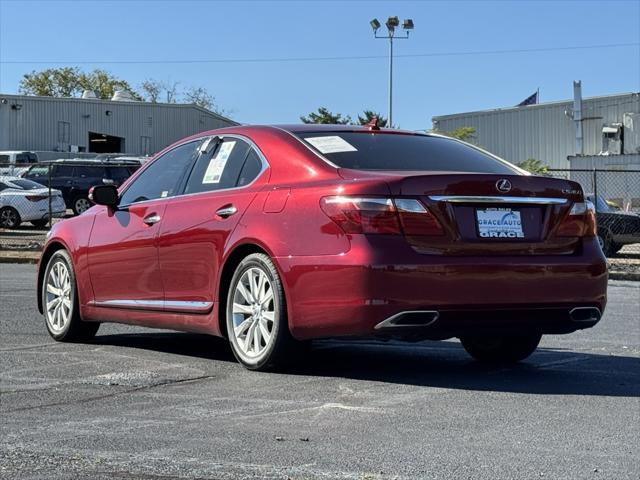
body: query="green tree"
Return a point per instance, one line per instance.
(368, 115)
(71, 82)
(52, 82)
(534, 166)
(325, 116)
(466, 134)
(104, 84)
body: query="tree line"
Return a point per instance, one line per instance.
(72, 82)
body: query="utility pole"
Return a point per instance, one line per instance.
(391, 23)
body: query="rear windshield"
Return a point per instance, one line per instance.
(379, 151)
(26, 184)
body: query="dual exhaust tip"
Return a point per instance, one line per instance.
(426, 318)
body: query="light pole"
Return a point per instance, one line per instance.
(391, 23)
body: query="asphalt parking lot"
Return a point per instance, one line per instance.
(149, 404)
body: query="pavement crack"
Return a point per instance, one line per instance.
(113, 394)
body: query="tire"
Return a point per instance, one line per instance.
(39, 223)
(80, 204)
(509, 349)
(62, 319)
(9, 218)
(263, 342)
(606, 244)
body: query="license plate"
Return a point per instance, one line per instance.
(499, 223)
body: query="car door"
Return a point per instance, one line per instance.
(122, 252)
(197, 224)
(62, 179)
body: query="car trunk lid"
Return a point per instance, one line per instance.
(487, 214)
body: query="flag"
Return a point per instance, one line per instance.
(530, 100)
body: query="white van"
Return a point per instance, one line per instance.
(16, 162)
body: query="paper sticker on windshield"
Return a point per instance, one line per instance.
(217, 163)
(332, 144)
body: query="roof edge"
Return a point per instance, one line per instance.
(536, 106)
(116, 102)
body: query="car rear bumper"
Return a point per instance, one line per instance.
(352, 293)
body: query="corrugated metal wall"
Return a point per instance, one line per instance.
(34, 125)
(542, 131)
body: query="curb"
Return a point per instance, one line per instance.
(628, 276)
(20, 258)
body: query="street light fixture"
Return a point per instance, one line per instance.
(391, 24)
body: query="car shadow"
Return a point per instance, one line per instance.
(429, 364)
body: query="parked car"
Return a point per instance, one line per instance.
(76, 176)
(26, 201)
(14, 163)
(121, 157)
(616, 228)
(272, 236)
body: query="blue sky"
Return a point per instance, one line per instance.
(281, 91)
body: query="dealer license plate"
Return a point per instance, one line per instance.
(499, 223)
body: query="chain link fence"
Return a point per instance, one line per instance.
(616, 197)
(33, 196)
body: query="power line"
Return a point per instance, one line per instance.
(317, 59)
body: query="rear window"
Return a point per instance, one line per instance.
(119, 173)
(26, 184)
(26, 158)
(380, 151)
(38, 171)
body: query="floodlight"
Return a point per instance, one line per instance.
(375, 24)
(408, 24)
(392, 23)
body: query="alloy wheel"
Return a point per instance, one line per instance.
(82, 205)
(8, 218)
(58, 297)
(253, 313)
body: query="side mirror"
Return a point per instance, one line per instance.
(104, 195)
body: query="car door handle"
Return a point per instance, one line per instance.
(152, 219)
(226, 211)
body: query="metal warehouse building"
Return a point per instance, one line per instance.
(100, 126)
(551, 132)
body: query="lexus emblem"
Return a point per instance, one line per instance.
(503, 185)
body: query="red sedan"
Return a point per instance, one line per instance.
(275, 235)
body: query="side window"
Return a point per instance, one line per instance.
(163, 177)
(89, 172)
(3, 186)
(118, 174)
(251, 169)
(4, 160)
(63, 171)
(220, 169)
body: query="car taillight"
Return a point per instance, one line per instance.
(580, 221)
(380, 215)
(35, 198)
(415, 218)
(362, 214)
